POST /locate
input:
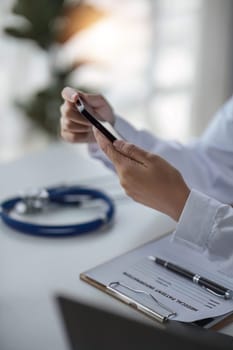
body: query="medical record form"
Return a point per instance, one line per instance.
(135, 279)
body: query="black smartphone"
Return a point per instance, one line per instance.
(83, 110)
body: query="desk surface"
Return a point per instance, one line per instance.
(33, 270)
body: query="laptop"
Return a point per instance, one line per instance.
(91, 328)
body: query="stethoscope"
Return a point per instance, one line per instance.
(41, 199)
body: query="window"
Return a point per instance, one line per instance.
(142, 55)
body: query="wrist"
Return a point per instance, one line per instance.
(180, 199)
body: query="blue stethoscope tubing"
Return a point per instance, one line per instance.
(60, 195)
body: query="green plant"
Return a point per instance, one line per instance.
(46, 25)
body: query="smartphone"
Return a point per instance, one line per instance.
(83, 110)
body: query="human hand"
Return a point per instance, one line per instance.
(74, 127)
(146, 177)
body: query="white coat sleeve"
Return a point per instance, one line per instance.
(206, 164)
(206, 225)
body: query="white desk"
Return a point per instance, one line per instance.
(33, 270)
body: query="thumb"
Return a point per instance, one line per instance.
(69, 94)
(131, 151)
(107, 147)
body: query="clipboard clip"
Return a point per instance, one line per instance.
(162, 318)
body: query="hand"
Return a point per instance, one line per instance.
(74, 127)
(146, 177)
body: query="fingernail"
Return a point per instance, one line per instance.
(74, 97)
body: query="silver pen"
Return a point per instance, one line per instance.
(210, 286)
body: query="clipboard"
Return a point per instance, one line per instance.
(126, 299)
(107, 278)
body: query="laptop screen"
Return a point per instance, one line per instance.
(89, 327)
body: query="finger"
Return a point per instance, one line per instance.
(107, 147)
(70, 126)
(131, 151)
(92, 100)
(75, 137)
(68, 112)
(69, 94)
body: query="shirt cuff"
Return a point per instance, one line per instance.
(125, 130)
(97, 153)
(197, 221)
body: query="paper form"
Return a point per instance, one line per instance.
(189, 301)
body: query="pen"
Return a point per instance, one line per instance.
(209, 285)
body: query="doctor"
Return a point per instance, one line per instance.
(191, 183)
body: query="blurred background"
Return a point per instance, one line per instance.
(164, 65)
